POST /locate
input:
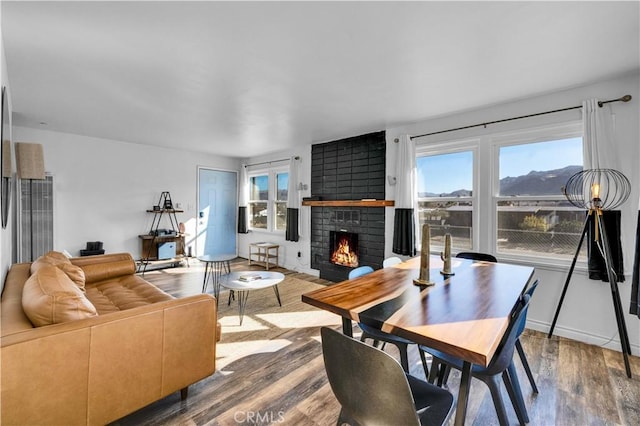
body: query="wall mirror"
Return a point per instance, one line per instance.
(5, 159)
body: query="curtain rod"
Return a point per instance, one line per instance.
(272, 161)
(625, 98)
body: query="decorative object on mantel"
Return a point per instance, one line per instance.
(30, 165)
(425, 278)
(446, 256)
(598, 190)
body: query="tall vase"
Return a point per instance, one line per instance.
(425, 279)
(446, 256)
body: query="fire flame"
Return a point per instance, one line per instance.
(343, 255)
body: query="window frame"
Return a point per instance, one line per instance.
(452, 147)
(556, 132)
(486, 175)
(272, 197)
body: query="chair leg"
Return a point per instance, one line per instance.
(184, 392)
(494, 388)
(404, 356)
(525, 364)
(511, 380)
(435, 365)
(425, 367)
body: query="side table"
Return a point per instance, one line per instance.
(214, 267)
(263, 253)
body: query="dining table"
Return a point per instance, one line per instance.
(465, 314)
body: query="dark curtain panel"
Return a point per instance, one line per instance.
(597, 268)
(292, 225)
(404, 236)
(635, 292)
(242, 220)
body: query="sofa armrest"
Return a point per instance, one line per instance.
(80, 368)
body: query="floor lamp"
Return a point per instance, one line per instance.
(30, 165)
(596, 190)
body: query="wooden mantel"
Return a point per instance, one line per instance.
(350, 203)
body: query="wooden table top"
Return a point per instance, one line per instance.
(464, 315)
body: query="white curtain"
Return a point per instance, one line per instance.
(293, 200)
(405, 215)
(406, 173)
(599, 147)
(243, 200)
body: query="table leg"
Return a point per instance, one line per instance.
(347, 327)
(206, 277)
(242, 303)
(217, 273)
(463, 394)
(275, 288)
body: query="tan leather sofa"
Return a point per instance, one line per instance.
(142, 345)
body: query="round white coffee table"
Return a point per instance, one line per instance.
(244, 281)
(215, 265)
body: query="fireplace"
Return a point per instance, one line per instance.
(343, 170)
(344, 248)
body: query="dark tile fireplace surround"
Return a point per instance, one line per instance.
(348, 169)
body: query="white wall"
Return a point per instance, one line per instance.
(587, 312)
(7, 233)
(102, 188)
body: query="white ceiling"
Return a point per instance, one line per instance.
(244, 79)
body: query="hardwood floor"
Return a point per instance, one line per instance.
(270, 369)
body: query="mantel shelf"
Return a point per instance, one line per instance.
(350, 203)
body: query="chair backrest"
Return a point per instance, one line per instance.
(390, 261)
(523, 320)
(486, 257)
(360, 271)
(369, 384)
(504, 354)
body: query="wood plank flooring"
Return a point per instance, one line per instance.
(270, 369)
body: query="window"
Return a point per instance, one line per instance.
(268, 193)
(533, 216)
(502, 193)
(445, 197)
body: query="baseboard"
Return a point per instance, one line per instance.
(581, 336)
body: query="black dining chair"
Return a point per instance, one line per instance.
(520, 349)
(486, 257)
(501, 365)
(377, 335)
(472, 255)
(373, 389)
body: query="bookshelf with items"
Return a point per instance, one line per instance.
(163, 246)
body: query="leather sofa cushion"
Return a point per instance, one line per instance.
(59, 260)
(50, 297)
(122, 293)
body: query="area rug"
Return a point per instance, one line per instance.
(267, 327)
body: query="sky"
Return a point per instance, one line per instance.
(515, 160)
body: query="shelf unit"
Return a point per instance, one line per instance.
(150, 241)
